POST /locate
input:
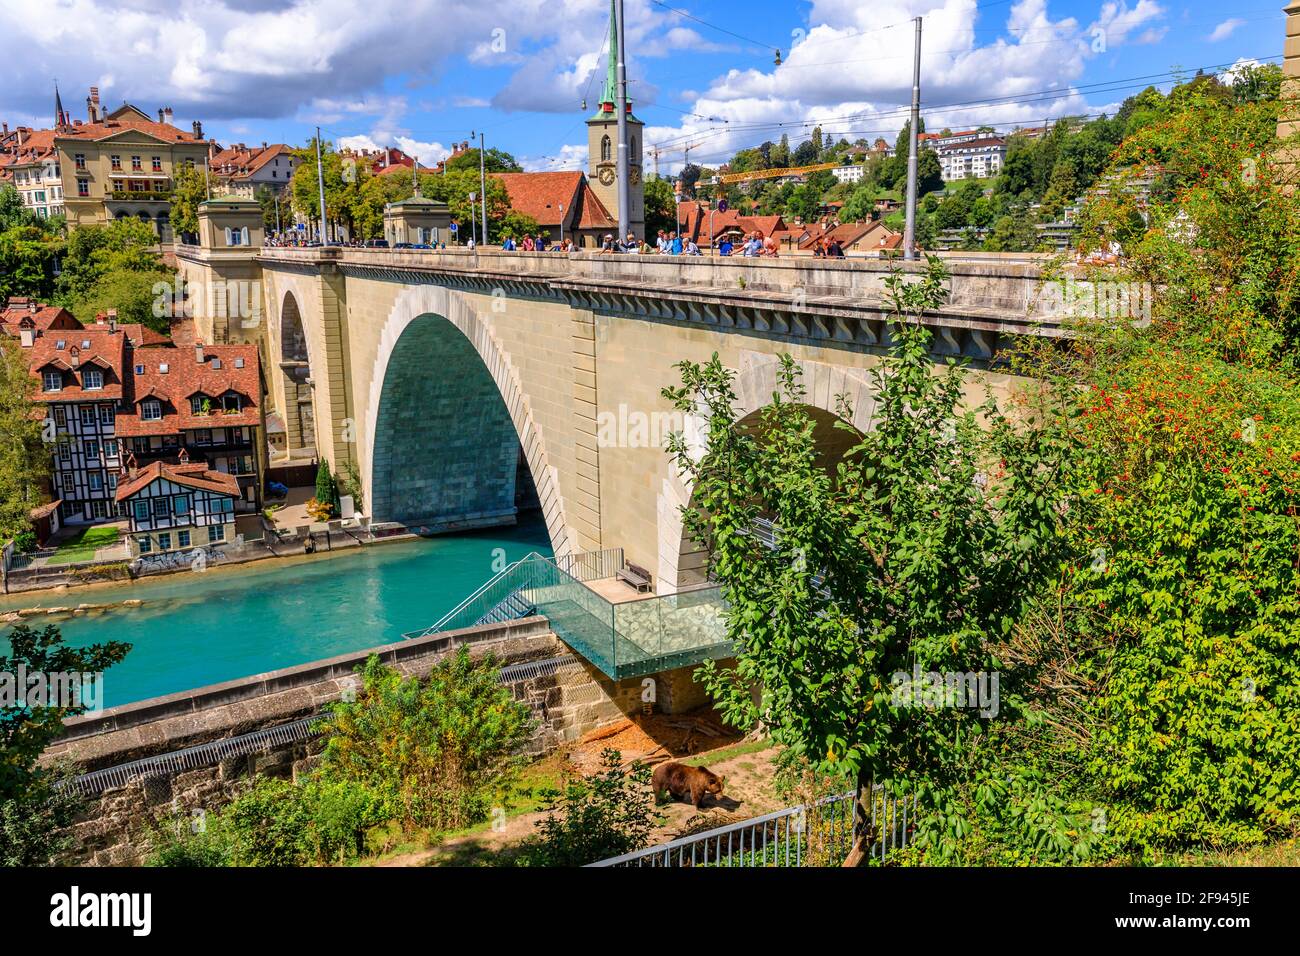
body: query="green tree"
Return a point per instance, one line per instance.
(592, 819)
(33, 812)
(28, 256)
(917, 548)
(189, 188)
(494, 161)
(276, 209)
(1167, 679)
(437, 750)
(24, 455)
(115, 266)
(343, 184)
(326, 492)
(929, 173)
(660, 206)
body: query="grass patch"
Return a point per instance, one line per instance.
(85, 544)
(726, 753)
(524, 797)
(1284, 853)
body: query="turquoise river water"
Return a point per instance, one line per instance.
(202, 628)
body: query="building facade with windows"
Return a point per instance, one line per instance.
(80, 381)
(205, 401)
(241, 170)
(973, 159)
(120, 397)
(112, 165)
(849, 174)
(176, 507)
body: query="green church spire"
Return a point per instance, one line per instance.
(610, 94)
(608, 108)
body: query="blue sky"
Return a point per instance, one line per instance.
(423, 74)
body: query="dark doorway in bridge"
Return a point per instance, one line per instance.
(446, 454)
(832, 440)
(295, 370)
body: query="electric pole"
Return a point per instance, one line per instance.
(624, 188)
(909, 230)
(482, 184)
(320, 183)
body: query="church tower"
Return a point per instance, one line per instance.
(602, 145)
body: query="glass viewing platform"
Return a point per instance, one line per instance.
(622, 633)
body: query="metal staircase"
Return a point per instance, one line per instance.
(512, 608)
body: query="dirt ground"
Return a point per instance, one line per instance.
(699, 739)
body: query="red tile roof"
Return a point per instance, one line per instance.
(36, 146)
(540, 195)
(80, 347)
(696, 220)
(185, 377)
(20, 310)
(976, 144)
(190, 475)
(119, 123)
(140, 336)
(240, 161)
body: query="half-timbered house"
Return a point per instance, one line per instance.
(176, 507)
(80, 376)
(113, 390)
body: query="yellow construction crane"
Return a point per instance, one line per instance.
(772, 173)
(657, 151)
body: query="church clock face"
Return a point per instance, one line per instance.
(606, 175)
(634, 176)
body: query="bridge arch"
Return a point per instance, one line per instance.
(447, 419)
(681, 560)
(295, 371)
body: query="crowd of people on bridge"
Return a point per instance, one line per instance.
(666, 243)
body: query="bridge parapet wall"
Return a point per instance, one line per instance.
(1017, 292)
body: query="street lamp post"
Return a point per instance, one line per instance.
(473, 222)
(622, 168)
(561, 226)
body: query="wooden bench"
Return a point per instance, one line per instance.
(637, 577)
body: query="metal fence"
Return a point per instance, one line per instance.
(591, 565)
(815, 834)
(193, 758)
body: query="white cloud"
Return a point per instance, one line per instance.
(852, 74)
(570, 156)
(1117, 22)
(1237, 69)
(1225, 29)
(259, 59)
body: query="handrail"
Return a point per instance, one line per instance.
(442, 621)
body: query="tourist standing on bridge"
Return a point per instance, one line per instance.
(675, 242)
(661, 243)
(724, 247)
(509, 244)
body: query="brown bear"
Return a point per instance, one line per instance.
(681, 781)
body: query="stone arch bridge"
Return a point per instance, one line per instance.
(448, 380)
